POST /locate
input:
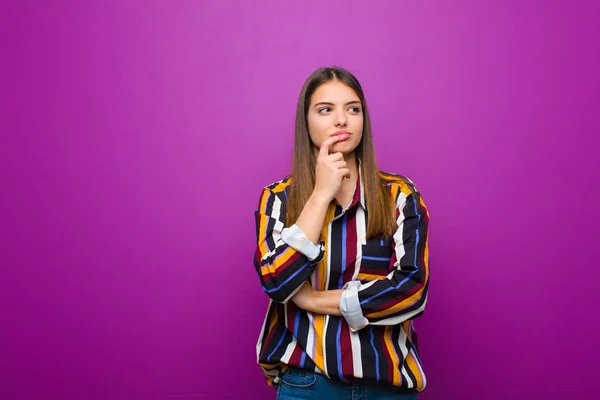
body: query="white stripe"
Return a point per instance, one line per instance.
(310, 340)
(404, 350)
(277, 228)
(288, 352)
(325, 286)
(412, 352)
(361, 239)
(328, 260)
(324, 345)
(402, 317)
(262, 332)
(398, 238)
(276, 213)
(361, 227)
(362, 187)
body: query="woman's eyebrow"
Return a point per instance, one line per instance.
(327, 103)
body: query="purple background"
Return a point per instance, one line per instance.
(136, 138)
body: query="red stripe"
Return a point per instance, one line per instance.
(285, 265)
(388, 358)
(268, 340)
(346, 349)
(396, 300)
(351, 242)
(292, 310)
(296, 357)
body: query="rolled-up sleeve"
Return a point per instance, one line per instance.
(402, 295)
(284, 257)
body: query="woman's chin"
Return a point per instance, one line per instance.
(346, 148)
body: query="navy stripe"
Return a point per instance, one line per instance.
(276, 347)
(376, 354)
(376, 258)
(288, 279)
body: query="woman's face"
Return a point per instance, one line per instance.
(335, 109)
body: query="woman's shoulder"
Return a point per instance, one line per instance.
(280, 186)
(274, 194)
(402, 182)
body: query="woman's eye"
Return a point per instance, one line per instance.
(324, 110)
(355, 109)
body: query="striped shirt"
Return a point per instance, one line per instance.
(391, 280)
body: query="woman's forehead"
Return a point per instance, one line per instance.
(334, 92)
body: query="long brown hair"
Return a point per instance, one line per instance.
(381, 220)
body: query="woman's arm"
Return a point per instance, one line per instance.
(319, 302)
(285, 257)
(400, 296)
(330, 170)
(281, 268)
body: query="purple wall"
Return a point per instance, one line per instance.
(136, 138)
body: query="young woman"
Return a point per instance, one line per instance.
(342, 252)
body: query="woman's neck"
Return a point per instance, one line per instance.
(352, 165)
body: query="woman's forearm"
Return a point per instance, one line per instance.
(319, 302)
(312, 217)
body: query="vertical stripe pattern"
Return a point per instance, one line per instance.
(394, 273)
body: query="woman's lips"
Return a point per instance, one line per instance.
(342, 136)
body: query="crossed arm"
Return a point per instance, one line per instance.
(318, 302)
(284, 266)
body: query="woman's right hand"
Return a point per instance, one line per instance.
(331, 169)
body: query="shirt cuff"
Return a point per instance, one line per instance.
(296, 239)
(350, 307)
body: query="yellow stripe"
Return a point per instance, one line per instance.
(410, 360)
(280, 187)
(412, 365)
(405, 189)
(273, 320)
(321, 274)
(279, 261)
(369, 277)
(406, 328)
(387, 338)
(321, 271)
(268, 370)
(319, 328)
(426, 252)
(394, 192)
(264, 220)
(403, 304)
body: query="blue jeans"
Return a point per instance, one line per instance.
(299, 384)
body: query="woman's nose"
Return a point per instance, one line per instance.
(340, 119)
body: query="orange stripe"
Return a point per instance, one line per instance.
(321, 269)
(264, 220)
(387, 338)
(397, 307)
(412, 365)
(279, 261)
(405, 189)
(273, 320)
(319, 328)
(280, 187)
(369, 277)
